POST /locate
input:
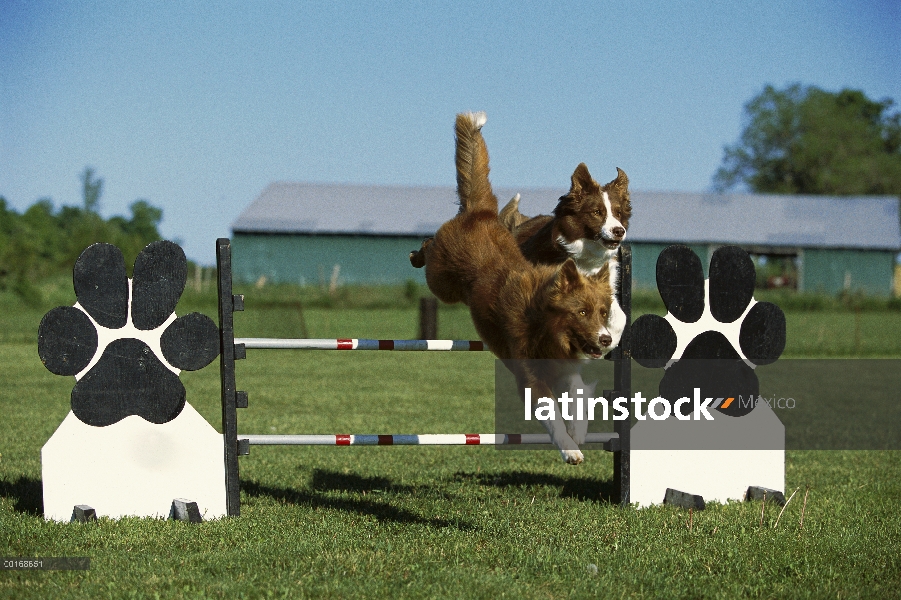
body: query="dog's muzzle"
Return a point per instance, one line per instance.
(611, 243)
(597, 350)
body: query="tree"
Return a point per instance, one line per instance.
(803, 140)
(44, 242)
(144, 221)
(91, 190)
(132, 235)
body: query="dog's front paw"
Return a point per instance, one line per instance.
(577, 430)
(616, 323)
(572, 457)
(558, 429)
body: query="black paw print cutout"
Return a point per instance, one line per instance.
(714, 333)
(122, 341)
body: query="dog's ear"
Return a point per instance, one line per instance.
(620, 184)
(583, 183)
(602, 276)
(568, 277)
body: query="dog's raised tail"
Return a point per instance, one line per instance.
(473, 186)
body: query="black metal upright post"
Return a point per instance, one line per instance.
(622, 379)
(228, 304)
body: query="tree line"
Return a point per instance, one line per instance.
(805, 140)
(45, 241)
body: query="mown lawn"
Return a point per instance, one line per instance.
(439, 522)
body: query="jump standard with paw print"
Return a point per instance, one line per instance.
(712, 338)
(131, 443)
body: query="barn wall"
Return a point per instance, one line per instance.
(830, 270)
(310, 259)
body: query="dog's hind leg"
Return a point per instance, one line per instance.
(417, 257)
(442, 280)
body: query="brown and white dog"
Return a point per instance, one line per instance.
(520, 310)
(588, 226)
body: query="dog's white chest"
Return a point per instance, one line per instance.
(590, 256)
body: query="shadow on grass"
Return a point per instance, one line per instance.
(579, 488)
(328, 481)
(27, 494)
(383, 511)
(331, 481)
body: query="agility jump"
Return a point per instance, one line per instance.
(127, 389)
(232, 349)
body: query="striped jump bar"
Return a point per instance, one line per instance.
(357, 344)
(428, 439)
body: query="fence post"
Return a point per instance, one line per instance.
(230, 395)
(622, 380)
(428, 318)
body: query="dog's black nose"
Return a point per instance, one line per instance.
(605, 340)
(619, 232)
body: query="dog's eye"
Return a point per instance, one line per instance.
(582, 312)
(597, 211)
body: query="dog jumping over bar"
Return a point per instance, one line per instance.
(588, 225)
(520, 310)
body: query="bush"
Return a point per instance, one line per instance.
(43, 242)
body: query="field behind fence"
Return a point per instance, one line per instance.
(437, 522)
(817, 326)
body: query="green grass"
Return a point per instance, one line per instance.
(435, 522)
(817, 326)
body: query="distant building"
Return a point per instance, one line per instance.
(309, 233)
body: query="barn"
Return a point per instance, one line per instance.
(818, 244)
(311, 234)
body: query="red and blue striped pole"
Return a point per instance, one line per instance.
(427, 439)
(360, 344)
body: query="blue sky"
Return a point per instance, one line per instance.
(197, 106)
